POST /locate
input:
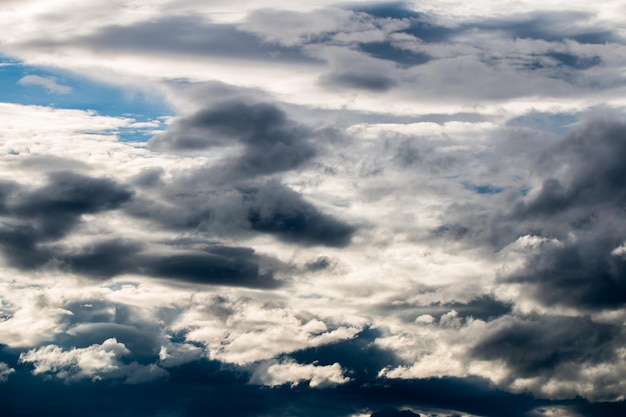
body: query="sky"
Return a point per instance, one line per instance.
(268, 208)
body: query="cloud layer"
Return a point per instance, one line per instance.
(352, 209)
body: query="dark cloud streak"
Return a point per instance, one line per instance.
(271, 142)
(186, 35)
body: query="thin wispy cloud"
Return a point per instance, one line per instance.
(49, 83)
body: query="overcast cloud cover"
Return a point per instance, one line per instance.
(346, 209)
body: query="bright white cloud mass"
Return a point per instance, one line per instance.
(267, 208)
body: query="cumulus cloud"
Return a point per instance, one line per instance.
(244, 331)
(96, 362)
(289, 372)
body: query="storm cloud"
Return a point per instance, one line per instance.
(271, 142)
(580, 203)
(47, 213)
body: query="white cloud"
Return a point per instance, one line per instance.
(96, 362)
(50, 124)
(31, 315)
(175, 354)
(619, 251)
(256, 331)
(290, 372)
(438, 86)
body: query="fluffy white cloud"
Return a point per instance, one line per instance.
(290, 372)
(96, 362)
(252, 331)
(30, 316)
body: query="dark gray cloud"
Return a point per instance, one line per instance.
(148, 178)
(387, 51)
(271, 142)
(591, 156)
(214, 265)
(484, 307)
(192, 202)
(584, 195)
(34, 220)
(369, 82)
(580, 202)
(186, 35)
(55, 208)
(319, 264)
(278, 210)
(20, 246)
(104, 259)
(35, 216)
(538, 346)
(582, 274)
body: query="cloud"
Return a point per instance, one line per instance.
(392, 412)
(277, 210)
(188, 35)
(53, 124)
(272, 142)
(215, 266)
(290, 372)
(548, 26)
(376, 83)
(5, 371)
(578, 202)
(96, 362)
(49, 83)
(543, 355)
(242, 331)
(348, 208)
(35, 216)
(484, 307)
(59, 204)
(176, 354)
(225, 206)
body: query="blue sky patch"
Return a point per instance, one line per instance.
(28, 85)
(558, 123)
